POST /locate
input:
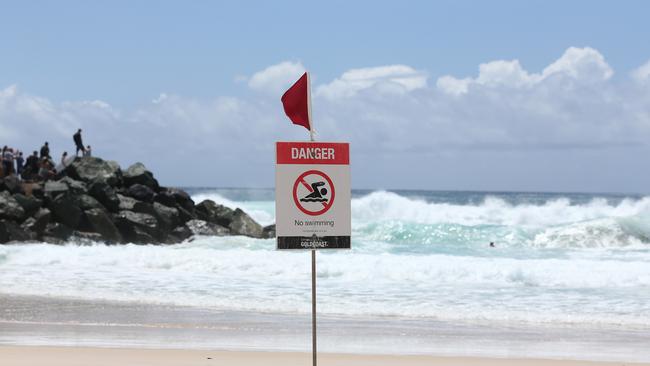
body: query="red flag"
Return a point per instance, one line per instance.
(296, 102)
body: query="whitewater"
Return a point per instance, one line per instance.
(578, 260)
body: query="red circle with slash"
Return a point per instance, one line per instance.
(301, 181)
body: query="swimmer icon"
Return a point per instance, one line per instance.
(313, 192)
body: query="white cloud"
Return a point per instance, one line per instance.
(642, 73)
(585, 65)
(276, 78)
(390, 79)
(531, 128)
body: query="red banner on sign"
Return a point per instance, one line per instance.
(335, 153)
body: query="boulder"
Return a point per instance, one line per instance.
(11, 184)
(105, 194)
(269, 232)
(38, 222)
(212, 212)
(74, 186)
(10, 208)
(185, 215)
(65, 209)
(58, 231)
(11, 232)
(126, 203)
(180, 234)
(242, 224)
(141, 193)
(54, 188)
(30, 204)
(100, 222)
(89, 169)
(168, 217)
(138, 174)
(201, 227)
(86, 202)
(137, 227)
(176, 197)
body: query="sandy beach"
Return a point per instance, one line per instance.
(71, 356)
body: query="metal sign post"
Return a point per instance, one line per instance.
(312, 202)
(313, 306)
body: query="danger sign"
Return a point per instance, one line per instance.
(312, 195)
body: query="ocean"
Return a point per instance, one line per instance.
(564, 266)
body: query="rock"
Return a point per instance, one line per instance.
(181, 233)
(185, 215)
(54, 188)
(53, 240)
(38, 223)
(209, 211)
(11, 232)
(30, 204)
(105, 194)
(172, 197)
(141, 192)
(269, 232)
(168, 217)
(100, 222)
(138, 174)
(89, 169)
(126, 203)
(201, 227)
(11, 184)
(28, 227)
(57, 231)
(242, 224)
(85, 238)
(10, 208)
(137, 227)
(74, 186)
(86, 202)
(65, 209)
(166, 199)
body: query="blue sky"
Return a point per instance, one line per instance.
(90, 50)
(101, 65)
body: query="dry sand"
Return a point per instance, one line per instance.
(73, 356)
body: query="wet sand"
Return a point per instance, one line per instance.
(30, 326)
(73, 356)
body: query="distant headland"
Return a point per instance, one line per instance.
(94, 200)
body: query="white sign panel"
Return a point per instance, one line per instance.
(312, 195)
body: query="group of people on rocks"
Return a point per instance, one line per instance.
(37, 166)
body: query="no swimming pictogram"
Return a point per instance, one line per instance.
(313, 192)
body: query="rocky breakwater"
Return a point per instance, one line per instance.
(96, 201)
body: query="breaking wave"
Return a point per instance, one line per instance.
(557, 260)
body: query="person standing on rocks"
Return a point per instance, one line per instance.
(88, 151)
(4, 172)
(7, 161)
(31, 166)
(19, 163)
(64, 159)
(45, 150)
(77, 140)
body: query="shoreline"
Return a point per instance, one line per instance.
(71, 356)
(30, 321)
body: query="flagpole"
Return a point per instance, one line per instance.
(309, 115)
(313, 251)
